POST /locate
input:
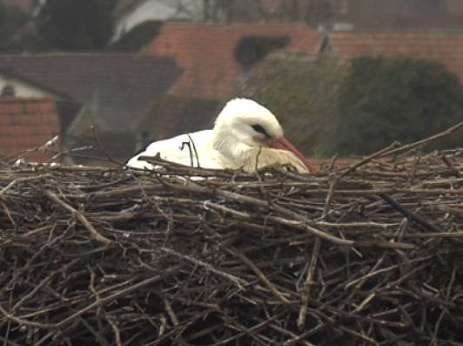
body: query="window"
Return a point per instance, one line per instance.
(8, 91)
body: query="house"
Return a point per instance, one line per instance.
(214, 59)
(324, 15)
(115, 92)
(444, 47)
(17, 86)
(28, 123)
(215, 56)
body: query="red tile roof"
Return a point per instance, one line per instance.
(443, 47)
(206, 52)
(27, 124)
(120, 88)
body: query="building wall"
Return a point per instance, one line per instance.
(22, 89)
(28, 123)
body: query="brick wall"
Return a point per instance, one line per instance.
(27, 124)
(206, 53)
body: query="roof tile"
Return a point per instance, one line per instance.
(121, 88)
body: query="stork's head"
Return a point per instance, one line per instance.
(245, 121)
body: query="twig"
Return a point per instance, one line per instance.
(369, 158)
(424, 141)
(102, 149)
(96, 235)
(23, 180)
(260, 275)
(117, 294)
(195, 151)
(236, 280)
(408, 214)
(309, 281)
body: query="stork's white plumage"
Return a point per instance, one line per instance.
(246, 135)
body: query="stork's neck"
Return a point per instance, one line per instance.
(228, 145)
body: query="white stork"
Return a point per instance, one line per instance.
(246, 135)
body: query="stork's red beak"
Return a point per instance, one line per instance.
(283, 144)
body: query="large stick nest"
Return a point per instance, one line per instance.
(365, 256)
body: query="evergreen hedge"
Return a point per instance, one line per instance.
(329, 106)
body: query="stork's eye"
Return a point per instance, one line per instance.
(258, 128)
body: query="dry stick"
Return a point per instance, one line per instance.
(5, 340)
(190, 151)
(96, 235)
(22, 180)
(38, 287)
(102, 149)
(41, 148)
(260, 274)
(307, 286)
(236, 280)
(62, 296)
(309, 282)
(170, 312)
(424, 141)
(353, 225)
(457, 234)
(125, 191)
(450, 166)
(242, 332)
(194, 150)
(117, 333)
(191, 187)
(393, 149)
(117, 294)
(290, 334)
(383, 270)
(300, 220)
(6, 332)
(369, 158)
(23, 322)
(410, 215)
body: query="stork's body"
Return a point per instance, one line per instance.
(192, 149)
(245, 136)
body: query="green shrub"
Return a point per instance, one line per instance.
(386, 99)
(69, 25)
(12, 19)
(331, 107)
(302, 92)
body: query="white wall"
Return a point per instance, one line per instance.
(23, 89)
(190, 10)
